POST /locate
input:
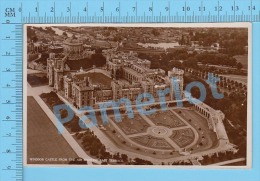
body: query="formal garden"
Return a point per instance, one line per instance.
(132, 125)
(88, 140)
(182, 137)
(152, 142)
(207, 138)
(167, 119)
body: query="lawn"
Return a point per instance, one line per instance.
(125, 145)
(37, 79)
(182, 137)
(167, 119)
(152, 142)
(43, 140)
(133, 126)
(99, 78)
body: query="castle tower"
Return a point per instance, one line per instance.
(55, 70)
(50, 69)
(176, 75)
(116, 89)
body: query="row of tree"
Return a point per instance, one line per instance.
(231, 41)
(180, 58)
(220, 157)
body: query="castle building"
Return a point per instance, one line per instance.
(55, 69)
(134, 76)
(124, 76)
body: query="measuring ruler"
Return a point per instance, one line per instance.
(13, 14)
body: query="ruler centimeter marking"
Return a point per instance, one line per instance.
(14, 14)
(148, 11)
(11, 102)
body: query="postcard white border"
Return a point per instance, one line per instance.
(161, 25)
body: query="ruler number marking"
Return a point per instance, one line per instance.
(8, 150)
(52, 9)
(202, 8)
(235, 8)
(8, 167)
(184, 8)
(218, 8)
(251, 8)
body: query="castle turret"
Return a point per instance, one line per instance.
(55, 70)
(176, 75)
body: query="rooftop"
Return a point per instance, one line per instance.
(85, 63)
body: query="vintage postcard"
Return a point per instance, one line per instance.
(157, 95)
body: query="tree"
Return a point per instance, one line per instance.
(88, 139)
(239, 66)
(63, 113)
(75, 124)
(65, 34)
(155, 32)
(31, 34)
(116, 156)
(182, 41)
(139, 161)
(94, 149)
(191, 62)
(124, 157)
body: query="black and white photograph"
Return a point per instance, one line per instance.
(164, 95)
